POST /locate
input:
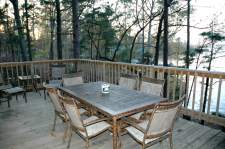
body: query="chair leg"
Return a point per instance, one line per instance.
(87, 143)
(143, 146)
(171, 141)
(53, 128)
(70, 137)
(66, 132)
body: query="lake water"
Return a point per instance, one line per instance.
(217, 65)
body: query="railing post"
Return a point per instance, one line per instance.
(104, 72)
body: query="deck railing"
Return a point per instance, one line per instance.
(94, 70)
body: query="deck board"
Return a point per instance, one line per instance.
(28, 126)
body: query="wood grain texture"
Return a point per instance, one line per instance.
(118, 102)
(26, 126)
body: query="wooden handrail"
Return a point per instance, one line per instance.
(96, 70)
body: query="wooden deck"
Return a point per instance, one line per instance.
(27, 126)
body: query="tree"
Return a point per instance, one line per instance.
(49, 9)
(19, 29)
(165, 44)
(59, 29)
(97, 30)
(27, 7)
(76, 28)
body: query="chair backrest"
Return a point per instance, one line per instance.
(72, 79)
(55, 99)
(57, 72)
(73, 112)
(162, 119)
(128, 81)
(151, 86)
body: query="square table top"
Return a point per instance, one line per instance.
(14, 90)
(119, 101)
(3, 87)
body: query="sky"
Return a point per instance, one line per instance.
(204, 12)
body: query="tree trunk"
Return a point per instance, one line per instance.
(59, 29)
(76, 29)
(165, 45)
(188, 35)
(150, 26)
(9, 38)
(188, 48)
(143, 34)
(20, 29)
(52, 26)
(28, 31)
(157, 46)
(133, 42)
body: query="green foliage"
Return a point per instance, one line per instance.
(213, 36)
(97, 29)
(40, 54)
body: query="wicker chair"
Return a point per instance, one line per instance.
(152, 87)
(128, 81)
(158, 126)
(72, 79)
(58, 108)
(57, 72)
(88, 128)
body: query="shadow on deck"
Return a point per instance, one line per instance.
(27, 126)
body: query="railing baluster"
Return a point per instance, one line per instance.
(187, 89)
(202, 94)
(168, 85)
(17, 74)
(174, 85)
(7, 74)
(210, 95)
(12, 75)
(194, 92)
(218, 97)
(181, 85)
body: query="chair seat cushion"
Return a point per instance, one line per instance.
(139, 135)
(96, 128)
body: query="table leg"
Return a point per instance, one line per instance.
(118, 134)
(115, 133)
(9, 98)
(35, 84)
(25, 96)
(45, 94)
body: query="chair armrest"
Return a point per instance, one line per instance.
(135, 125)
(95, 121)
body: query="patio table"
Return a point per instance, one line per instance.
(120, 102)
(9, 92)
(33, 78)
